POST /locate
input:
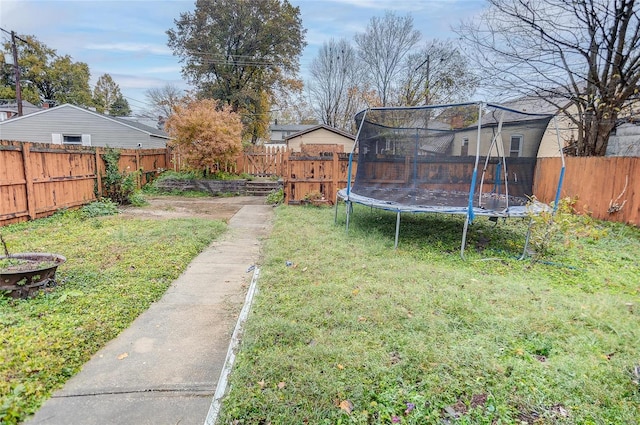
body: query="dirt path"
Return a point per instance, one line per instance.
(165, 207)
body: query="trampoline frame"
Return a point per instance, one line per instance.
(534, 207)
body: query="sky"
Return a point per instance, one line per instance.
(127, 38)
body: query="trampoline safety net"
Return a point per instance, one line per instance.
(447, 158)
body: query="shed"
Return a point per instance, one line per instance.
(320, 138)
(71, 125)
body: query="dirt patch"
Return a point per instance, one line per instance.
(166, 207)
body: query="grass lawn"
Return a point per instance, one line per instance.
(356, 332)
(116, 267)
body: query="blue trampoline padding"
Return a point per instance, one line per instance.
(515, 211)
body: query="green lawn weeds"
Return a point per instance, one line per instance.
(116, 267)
(347, 330)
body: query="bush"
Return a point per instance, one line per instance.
(275, 197)
(137, 200)
(119, 187)
(555, 232)
(180, 175)
(101, 207)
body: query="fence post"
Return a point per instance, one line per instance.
(31, 199)
(99, 171)
(167, 157)
(286, 176)
(335, 177)
(138, 170)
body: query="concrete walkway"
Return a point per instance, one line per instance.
(164, 368)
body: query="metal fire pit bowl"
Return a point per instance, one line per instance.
(27, 281)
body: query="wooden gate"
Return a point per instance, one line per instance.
(262, 161)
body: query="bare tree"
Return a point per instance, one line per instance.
(437, 74)
(580, 54)
(334, 76)
(383, 47)
(293, 109)
(163, 100)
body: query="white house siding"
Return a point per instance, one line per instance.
(528, 134)
(66, 119)
(567, 131)
(625, 141)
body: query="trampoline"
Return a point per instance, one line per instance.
(474, 159)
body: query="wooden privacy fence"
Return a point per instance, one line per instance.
(259, 161)
(607, 188)
(310, 176)
(38, 179)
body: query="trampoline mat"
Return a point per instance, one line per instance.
(447, 202)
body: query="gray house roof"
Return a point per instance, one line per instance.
(51, 125)
(290, 127)
(143, 127)
(27, 107)
(317, 127)
(437, 144)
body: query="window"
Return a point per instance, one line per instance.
(71, 139)
(464, 150)
(68, 139)
(515, 150)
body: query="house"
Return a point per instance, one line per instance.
(566, 129)
(10, 109)
(320, 138)
(71, 125)
(521, 135)
(623, 141)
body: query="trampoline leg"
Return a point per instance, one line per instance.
(335, 216)
(397, 230)
(464, 237)
(526, 241)
(348, 204)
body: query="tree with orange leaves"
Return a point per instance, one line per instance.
(207, 136)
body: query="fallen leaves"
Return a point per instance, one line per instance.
(346, 406)
(262, 384)
(123, 356)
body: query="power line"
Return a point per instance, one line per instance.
(136, 100)
(11, 33)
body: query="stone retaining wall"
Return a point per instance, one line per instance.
(214, 187)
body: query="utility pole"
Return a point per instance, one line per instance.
(426, 84)
(16, 70)
(427, 88)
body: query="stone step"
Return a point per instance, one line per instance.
(260, 183)
(261, 187)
